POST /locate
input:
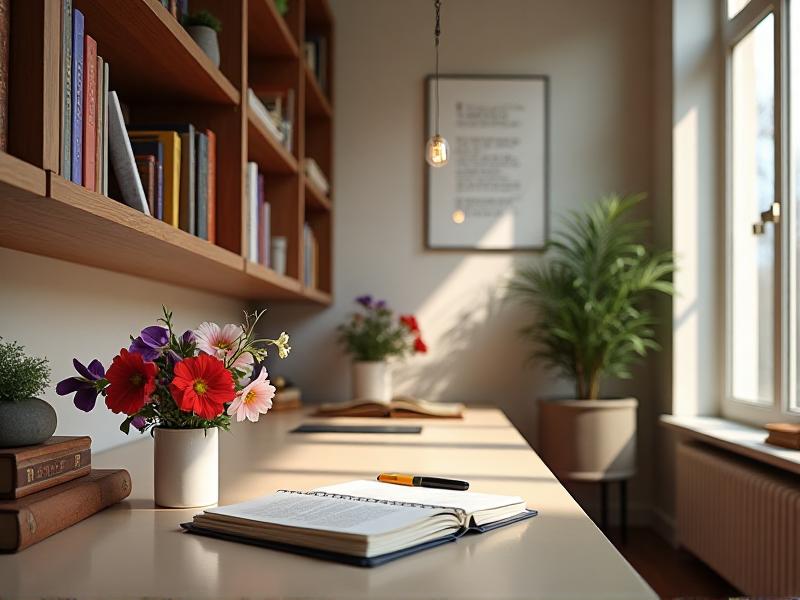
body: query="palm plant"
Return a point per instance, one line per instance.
(591, 317)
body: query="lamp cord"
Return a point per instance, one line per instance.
(437, 32)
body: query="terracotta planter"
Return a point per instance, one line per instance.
(589, 440)
(186, 467)
(372, 381)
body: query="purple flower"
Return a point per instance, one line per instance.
(151, 341)
(138, 422)
(365, 301)
(380, 304)
(187, 337)
(84, 386)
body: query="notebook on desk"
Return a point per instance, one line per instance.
(363, 523)
(398, 408)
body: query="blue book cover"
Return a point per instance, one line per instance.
(66, 91)
(157, 150)
(77, 96)
(201, 184)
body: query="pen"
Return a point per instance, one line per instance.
(429, 482)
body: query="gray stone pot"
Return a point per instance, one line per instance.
(206, 38)
(26, 422)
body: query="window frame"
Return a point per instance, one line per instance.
(784, 405)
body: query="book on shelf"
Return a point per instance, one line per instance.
(279, 102)
(104, 130)
(316, 54)
(201, 184)
(187, 214)
(66, 89)
(146, 166)
(399, 407)
(99, 125)
(123, 163)
(310, 257)
(89, 136)
(171, 144)
(315, 175)
(364, 523)
(77, 96)
(154, 148)
(251, 193)
(262, 116)
(264, 227)
(31, 519)
(30, 469)
(212, 186)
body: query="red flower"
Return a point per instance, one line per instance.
(410, 321)
(202, 385)
(420, 346)
(131, 380)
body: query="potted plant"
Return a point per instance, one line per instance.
(371, 337)
(592, 322)
(183, 388)
(24, 419)
(204, 28)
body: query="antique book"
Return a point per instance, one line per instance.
(399, 407)
(76, 160)
(30, 469)
(89, 113)
(31, 519)
(66, 89)
(364, 523)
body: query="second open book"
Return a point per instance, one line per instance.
(359, 522)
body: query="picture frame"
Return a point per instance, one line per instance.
(493, 194)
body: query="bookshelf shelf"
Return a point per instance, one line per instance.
(268, 33)
(317, 104)
(315, 199)
(266, 150)
(265, 281)
(318, 296)
(151, 54)
(20, 181)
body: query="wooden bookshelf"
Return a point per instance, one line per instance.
(163, 76)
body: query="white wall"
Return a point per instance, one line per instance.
(61, 310)
(598, 56)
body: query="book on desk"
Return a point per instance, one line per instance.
(362, 523)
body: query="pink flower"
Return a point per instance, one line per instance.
(223, 343)
(254, 400)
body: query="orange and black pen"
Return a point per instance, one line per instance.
(418, 481)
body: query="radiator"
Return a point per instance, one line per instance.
(741, 518)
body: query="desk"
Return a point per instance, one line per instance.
(135, 549)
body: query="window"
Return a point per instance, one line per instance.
(762, 176)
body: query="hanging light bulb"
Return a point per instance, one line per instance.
(437, 150)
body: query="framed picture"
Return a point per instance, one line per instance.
(492, 195)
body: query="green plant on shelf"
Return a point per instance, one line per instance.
(282, 6)
(21, 376)
(202, 18)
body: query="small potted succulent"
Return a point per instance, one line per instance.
(24, 419)
(591, 321)
(204, 28)
(371, 337)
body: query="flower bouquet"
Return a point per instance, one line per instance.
(183, 388)
(372, 336)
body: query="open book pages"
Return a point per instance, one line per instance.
(357, 518)
(399, 407)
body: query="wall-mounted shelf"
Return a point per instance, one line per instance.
(317, 103)
(315, 199)
(266, 150)
(268, 33)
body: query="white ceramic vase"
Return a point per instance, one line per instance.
(206, 38)
(372, 380)
(186, 467)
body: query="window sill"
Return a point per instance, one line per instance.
(734, 437)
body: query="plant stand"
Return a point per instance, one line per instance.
(623, 507)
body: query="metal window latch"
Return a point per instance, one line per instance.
(771, 215)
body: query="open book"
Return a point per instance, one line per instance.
(399, 407)
(364, 523)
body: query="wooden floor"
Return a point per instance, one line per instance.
(671, 573)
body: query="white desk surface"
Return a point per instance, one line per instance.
(135, 549)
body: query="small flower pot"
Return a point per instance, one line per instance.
(26, 422)
(206, 38)
(372, 381)
(186, 467)
(589, 440)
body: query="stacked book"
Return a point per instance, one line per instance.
(258, 232)
(51, 486)
(786, 435)
(274, 109)
(316, 54)
(176, 163)
(310, 258)
(315, 175)
(84, 105)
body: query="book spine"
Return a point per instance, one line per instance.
(266, 219)
(212, 186)
(66, 90)
(252, 204)
(46, 472)
(201, 185)
(122, 159)
(5, 30)
(77, 96)
(261, 235)
(187, 217)
(54, 513)
(173, 8)
(98, 130)
(160, 191)
(145, 165)
(105, 128)
(89, 111)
